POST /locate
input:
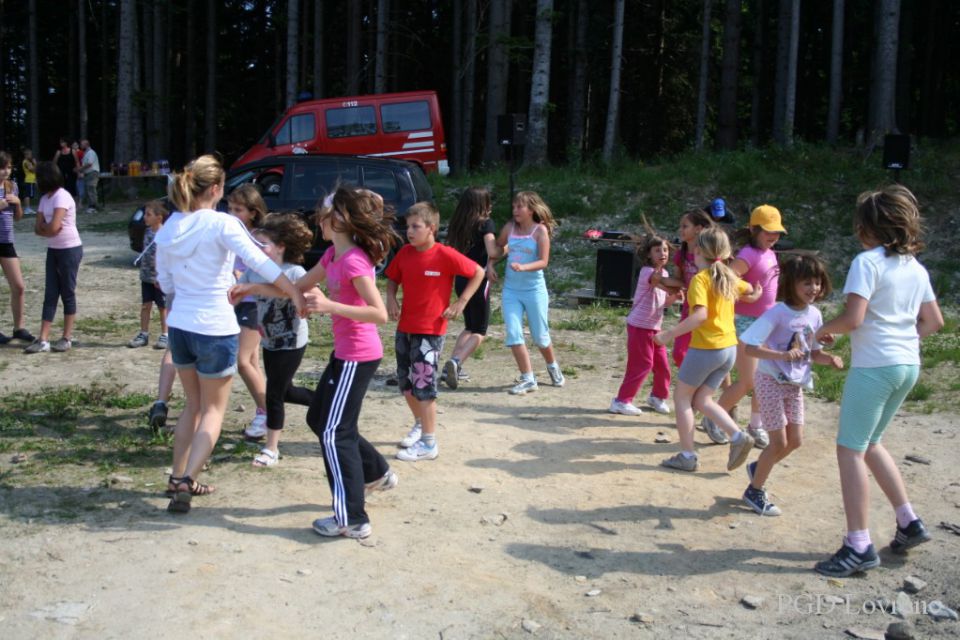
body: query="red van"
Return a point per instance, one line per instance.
(404, 126)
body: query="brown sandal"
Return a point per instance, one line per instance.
(196, 488)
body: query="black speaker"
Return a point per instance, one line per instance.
(617, 269)
(896, 151)
(512, 129)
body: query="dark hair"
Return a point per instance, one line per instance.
(473, 208)
(891, 218)
(6, 160)
(49, 178)
(797, 268)
(362, 214)
(745, 236)
(649, 242)
(248, 196)
(698, 218)
(289, 230)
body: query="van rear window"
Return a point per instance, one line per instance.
(405, 116)
(352, 121)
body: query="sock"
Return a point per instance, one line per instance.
(527, 376)
(905, 515)
(261, 412)
(429, 439)
(455, 359)
(163, 402)
(737, 437)
(755, 421)
(858, 540)
(688, 454)
(552, 365)
(416, 423)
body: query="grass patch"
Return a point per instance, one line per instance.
(108, 227)
(592, 318)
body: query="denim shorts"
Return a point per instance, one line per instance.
(211, 356)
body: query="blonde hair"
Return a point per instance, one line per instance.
(248, 196)
(541, 212)
(714, 246)
(198, 176)
(427, 212)
(891, 218)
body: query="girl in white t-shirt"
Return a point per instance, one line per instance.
(643, 322)
(890, 306)
(782, 338)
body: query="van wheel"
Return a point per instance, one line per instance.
(270, 184)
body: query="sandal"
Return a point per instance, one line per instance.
(196, 488)
(180, 502)
(266, 458)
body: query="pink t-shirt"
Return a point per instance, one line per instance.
(68, 236)
(352, 340)
(648, 301)
(764, 270)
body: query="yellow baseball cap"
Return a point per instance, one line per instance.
(767, 218)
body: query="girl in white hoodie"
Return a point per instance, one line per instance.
(195, 253)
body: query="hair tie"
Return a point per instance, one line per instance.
(328, 201)
(718, 259)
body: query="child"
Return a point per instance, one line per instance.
(56, 221)
(526, 238)
(782, 338)
(29, 166)
(756, 263)
(644, 320)
(472, 233)
(362, 235)
(247, 205)
(195, 254)
(425, 269)
(285, 238)
(890, 307)
(10, 210)
(712, 350)
(154, 215)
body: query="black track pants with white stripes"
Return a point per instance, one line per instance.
(349, 459)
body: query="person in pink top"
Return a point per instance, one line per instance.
(757, 264)
(362, 236)
(643, 322)
(57, 222)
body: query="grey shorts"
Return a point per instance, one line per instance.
(707, 366)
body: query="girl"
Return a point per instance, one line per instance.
(10, 210)
(526, 238)
(757, 264)
(195, 253)
(472, 233)
(57, 221)
(285, 239)
(354, 221)
(890, 307)
(711, 296)
(67, 163)
(247, 205)
(782, 338)
(644, 320)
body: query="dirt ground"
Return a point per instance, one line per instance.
(544, 515)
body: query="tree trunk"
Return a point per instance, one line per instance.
(456, 120)
(758, 84)
(704, 75)
(353, 47)
(160, 100)
(151, 51)
(790, 99)
(293, 26)
(73, 109)
(836, 73)
(105, 70)
(318, 90)
(125, 46)
(537, 117)
(780, 83)
(82, 67)
(578, 82)
(33, 105)
(210, 103)
(616, 62)
(498, 67)
(884, 80)
(190, 100)
(136, 108)
(469, 80)
(903, 102)
(380, 64)
(729, 77)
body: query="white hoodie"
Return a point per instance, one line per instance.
(195, 253)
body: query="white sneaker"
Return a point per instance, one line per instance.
(419, 451)
(714, 432)
(760, 437)
(412, 437)
(624, 408)
(524, 386)
(556, 376)
(658, 404)
(139, 340)
(329, 527)
(257, 428)
(387, 482)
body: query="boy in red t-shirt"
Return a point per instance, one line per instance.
(425, 269)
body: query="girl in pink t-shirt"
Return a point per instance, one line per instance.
(691, 224)
(643, 321)
(362, 235)
(57, 222)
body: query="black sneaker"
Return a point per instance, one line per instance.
(4, 339)
(910, 536)
(847, 562)
(158, 416)
(23, 335)
(757, 500)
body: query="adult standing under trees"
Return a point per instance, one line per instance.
(68, 165)
(90, 174)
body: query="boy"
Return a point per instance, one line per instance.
(425, 269)
(29, 190)
(154, 215)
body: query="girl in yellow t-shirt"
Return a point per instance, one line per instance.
(713, 348)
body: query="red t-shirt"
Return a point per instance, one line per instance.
(427, 280)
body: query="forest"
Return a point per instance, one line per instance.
(601, 79)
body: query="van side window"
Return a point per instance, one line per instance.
(405, 116)
(299, 128)
(352, 121)
(313, 181)
(382, 182)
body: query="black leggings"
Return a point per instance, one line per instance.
(280, 367)
(61, 281)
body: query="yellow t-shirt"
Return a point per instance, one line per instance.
(29, 172)
(717, 331)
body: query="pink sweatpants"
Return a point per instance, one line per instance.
(644, 355)
(682, 343)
